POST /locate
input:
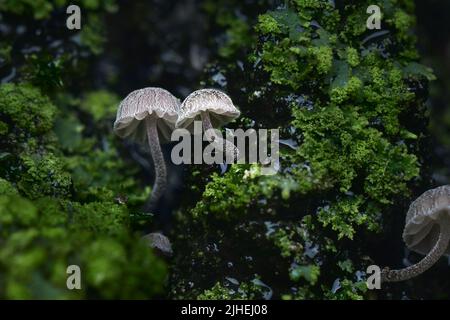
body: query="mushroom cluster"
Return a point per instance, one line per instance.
(149, 116)
(427, 231)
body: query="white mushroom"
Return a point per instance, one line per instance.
(215, 109)
(148, 116)
(427, 231)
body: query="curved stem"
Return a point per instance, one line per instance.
(231, 152)
(412, 271)
(159, 186)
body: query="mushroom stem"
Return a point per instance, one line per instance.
(231, 152)
(159, 186)
(412, 271)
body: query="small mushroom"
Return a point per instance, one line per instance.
(160, 242)
(148, 116)
(215, 109)
(427, 231)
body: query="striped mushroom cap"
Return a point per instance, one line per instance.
(422, 220)
(219, 106)
(143, 103)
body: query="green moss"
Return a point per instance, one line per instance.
(244, 291)
(324, 58)
(5, 52)
(309, 273)
(66, 196)
(348, 91)
(113, 262)
(16, 210)
(348, 105)
(42, 9)
(93, 34)
(3, 128)
(403, 22)
(6, 188)
(45, 71)
(44, 176)
(100, 104)
(347, 290)
(352, 57)
(26, 108)
(217, 292)
(268, 24)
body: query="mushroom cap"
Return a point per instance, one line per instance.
(422, 220)
(141, 104)
(219, 106)
(159, 241)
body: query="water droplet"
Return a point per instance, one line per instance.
(269, 292)
(311, 250)
(360, 275)
(291, 143)
(270, 226)
(21, 29)
(220, 79)
(257, 93)
(336, 285)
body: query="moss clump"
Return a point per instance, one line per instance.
(6, 188)
(232, 290)
(100, 104)
(29, 143)
(41, 239)
(26, 109)
(63, 186)
(58, 208)
(44, 175)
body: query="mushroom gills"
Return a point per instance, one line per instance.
(428, 261)
(421, 234)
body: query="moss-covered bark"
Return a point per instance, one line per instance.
(347, 98)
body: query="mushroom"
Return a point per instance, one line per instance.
(427, 231)
(159, 241)
(215, 109)
(148, 116)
